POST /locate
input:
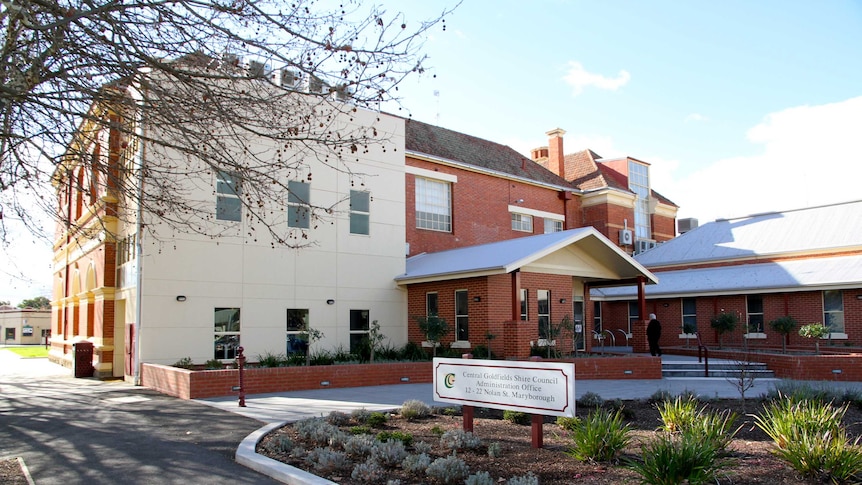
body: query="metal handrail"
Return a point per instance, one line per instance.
(625, 334)
(613, 339)
(701, 347)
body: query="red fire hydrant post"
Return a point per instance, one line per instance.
(240, 364)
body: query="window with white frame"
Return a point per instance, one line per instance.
(522, 222)
(634, 315)
(359, 327)
(639, 184)
(298, 200)
(431, 308)
(754, 309)
(553, 225)
(297, 328)
(689, 315)
(360, 208)
(462, 318)
(543, 310)
(524, 306)
(228, 193)
(833, 310)
(226, 326)
(433, 205)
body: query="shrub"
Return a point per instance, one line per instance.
(325, 461)
(786, 421)
(723, 323)
(389, 453)
(619, 405)
(450, 469)
(360, 430)
(422, 447)
(376, 419)
(458, 439)
(678, 414)
(528, 479)
(480, 478)
(370, 472)
(516, 417)
(826, 456)
(567, 423)
(415, 409)
(213, 364)
(449, 412)
(675, 459)
(315, 430)
(401, 436)
(495, 450)
(413, 352)
(359, 447)
(269, 359)
(599, 437)
(416, 463)
(437, 430)
(184, 363)
(338, 418)
(360, 415)
(591, 400)
(660, 395)
(783, 325)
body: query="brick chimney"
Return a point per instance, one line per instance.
(556, 163)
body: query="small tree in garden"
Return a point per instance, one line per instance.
(815, 331)
(723, 323)
(374, 339)
(434, 328)
(783, 325)
(556, 330)
(310, 335)
(489, 337)
(688, 328)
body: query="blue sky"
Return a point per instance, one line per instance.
(740, 107)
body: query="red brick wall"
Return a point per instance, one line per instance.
(480, 209)
(663, 228)
(825, 367)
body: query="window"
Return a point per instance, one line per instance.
(226, 326)
(297, 326)
(754, 308)
(359, 326)
(433, 205)
(639, 184)
(431, 305)
(833, 311)
(298, 200)
(524, 314)
(461, 316)
(543, 308)
(689, 315)
(228, 190)
(522, 222)
(10, 334)
(597, 316)
(634, 315)
(360, 207)
(552, 225)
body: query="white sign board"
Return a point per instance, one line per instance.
(531, 387)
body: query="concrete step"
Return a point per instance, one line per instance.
(716, 369)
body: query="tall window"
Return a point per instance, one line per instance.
(359, 326)
(433, 205)
(226, 332)
(597, 316)
(524, 306)
(689, 315)
(639, 184)
(360, 207)
(833, 310)
(754, 308)
(461, 316)
(298, 200)
(634, 315)
(543, 309)
(297, 324)
(431, 309)
(552, 225)
(522, 222)
(228, 193)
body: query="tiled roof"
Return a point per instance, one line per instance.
(451, 145)
(582, 170)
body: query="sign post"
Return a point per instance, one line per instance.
(538, 388)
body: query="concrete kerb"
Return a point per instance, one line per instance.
(248, 457)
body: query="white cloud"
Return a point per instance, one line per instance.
(695, 117)
(809, 156)
(579, 78)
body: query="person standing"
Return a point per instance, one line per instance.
(653, 334)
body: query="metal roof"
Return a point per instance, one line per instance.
(582, 252)
(780, 276)
(811, 230)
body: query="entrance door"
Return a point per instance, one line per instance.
(578, 317)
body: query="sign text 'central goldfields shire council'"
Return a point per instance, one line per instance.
(531, 387)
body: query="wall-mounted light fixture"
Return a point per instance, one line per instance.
(405, 379)
(519, 201)
(330, 302)
(324, 383)
(477, 298)
(859, 297)
(562, 300)
(181, 297)
(665, 305)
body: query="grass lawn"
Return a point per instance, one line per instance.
(30, 351)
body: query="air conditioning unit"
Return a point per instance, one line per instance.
(254, 68)
(285, 78)
(625, 237)
(685, 225)
(644, 245)
(317, 86)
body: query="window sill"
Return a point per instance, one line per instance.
(835, 336)
(687, 336)
(543, 342)
(755, 336)
(428, 344)
(460, 344)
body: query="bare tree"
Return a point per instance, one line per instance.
(195, 81)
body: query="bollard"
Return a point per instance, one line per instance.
(467, 411)
(240, 364)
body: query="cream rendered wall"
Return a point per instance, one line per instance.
(356, 271)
